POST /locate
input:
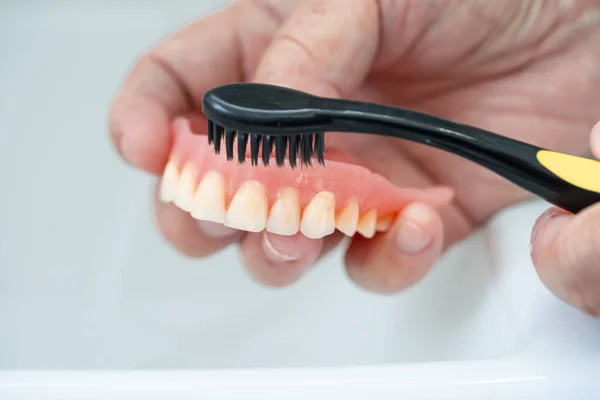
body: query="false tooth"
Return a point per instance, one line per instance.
(186, 188)
(284, 218)
(208, 203)
(384, 223)
(168, 185)
(318, 218)
(249, 208)
(367, 223)
(346, 220)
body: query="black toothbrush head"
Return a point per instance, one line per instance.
(273, 119)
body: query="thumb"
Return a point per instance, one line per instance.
(565, 250)
(324, 48)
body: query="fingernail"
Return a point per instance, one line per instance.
(280, 248)
(541, 222)
(546, 229)
(216, 230)
(412, 238)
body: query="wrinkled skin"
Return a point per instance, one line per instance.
(523, 68)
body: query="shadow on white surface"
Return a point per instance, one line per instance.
(87, 282)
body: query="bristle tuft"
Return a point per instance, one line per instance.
(242, 143)
(218, 133)
(293, 150)
(254, 148)
(300, 149)
(211, 127)
(280, 150)
(320, 147)
(267, 149)
(306, 149)
(229, 138)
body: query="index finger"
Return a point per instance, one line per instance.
(170, 80)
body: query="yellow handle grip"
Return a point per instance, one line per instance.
(578, 171)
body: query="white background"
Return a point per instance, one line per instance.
(87, 282)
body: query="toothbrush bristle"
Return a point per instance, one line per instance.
(242, 143)
(229, 137)
(218, 135)
(299, 149)
(306, 149)
(320, 147)
(267, 148)
(293, 151)
(280, 150)
(211, 127)
(254, 148)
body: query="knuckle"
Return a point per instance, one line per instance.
(118, 107)
(285, 60)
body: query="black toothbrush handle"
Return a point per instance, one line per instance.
(567, 181)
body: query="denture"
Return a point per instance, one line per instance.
(315, 201)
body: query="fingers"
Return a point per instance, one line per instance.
(595, 141)
(275, 260)
(278, 261)
(140, 115)
(323, 48)
(565, 250)
(191, 237)
(272, 260)
(300, 57)
(170, 80)
(400, 258)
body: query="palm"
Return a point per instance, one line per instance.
(539, 89)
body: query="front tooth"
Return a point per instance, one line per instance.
(209, 201)
(347, 219)
(366, 225)
(384, 223)
(249, 208)
(284, 218)
(168, 186)
(318, 219)
(186, 188)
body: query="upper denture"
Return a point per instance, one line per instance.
(315, 200)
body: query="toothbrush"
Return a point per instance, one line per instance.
(294, 123)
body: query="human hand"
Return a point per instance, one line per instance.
(565, 249)
(525, 69)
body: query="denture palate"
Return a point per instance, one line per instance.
(249, 209)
